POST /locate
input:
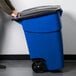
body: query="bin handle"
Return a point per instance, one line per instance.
(60, 12)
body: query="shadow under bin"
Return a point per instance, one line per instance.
(42, 28)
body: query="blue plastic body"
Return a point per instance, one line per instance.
(44, 39)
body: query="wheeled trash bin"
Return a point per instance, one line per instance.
(42, 28)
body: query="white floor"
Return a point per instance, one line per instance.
(23, 68)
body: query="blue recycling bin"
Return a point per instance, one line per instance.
(42, 28)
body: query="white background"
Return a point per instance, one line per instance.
(13, 40)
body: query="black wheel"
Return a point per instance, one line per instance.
(39, 66)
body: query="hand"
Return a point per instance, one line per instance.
(14, 13)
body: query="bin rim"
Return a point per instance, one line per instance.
(38, 11)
